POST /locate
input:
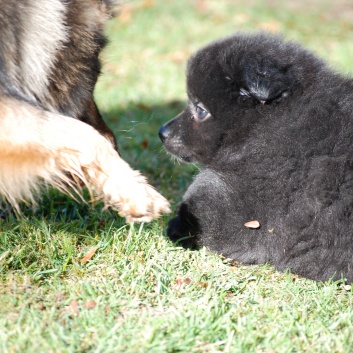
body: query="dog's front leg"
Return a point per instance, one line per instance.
(37, 145)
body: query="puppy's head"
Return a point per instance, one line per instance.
(232, 84)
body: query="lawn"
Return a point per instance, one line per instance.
(76, 279)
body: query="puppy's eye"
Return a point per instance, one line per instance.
(201, 113)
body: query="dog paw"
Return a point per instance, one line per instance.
(122, 188)
(143, 204)
(131, 195)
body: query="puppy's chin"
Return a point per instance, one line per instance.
(186, 159)
(180, 155)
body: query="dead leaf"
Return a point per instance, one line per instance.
(89, 255)
(252, 224)
(203, 284)
(180, 281)
(187, 280)
(144, 144)
(89, 304)
(74, 307)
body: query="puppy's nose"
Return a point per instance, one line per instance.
(163, 133)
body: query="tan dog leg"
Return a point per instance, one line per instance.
(37, 146)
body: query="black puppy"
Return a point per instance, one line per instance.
(273, 127)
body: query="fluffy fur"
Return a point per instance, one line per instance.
(272, 126)
(51, 131)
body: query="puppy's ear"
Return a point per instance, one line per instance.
(267, 82)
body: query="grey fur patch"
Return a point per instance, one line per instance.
(43, 34)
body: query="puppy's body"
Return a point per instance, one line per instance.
(273, 127)
(49, 66)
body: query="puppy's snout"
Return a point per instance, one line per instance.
(164, 133)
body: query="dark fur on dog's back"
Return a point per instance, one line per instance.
(274, 130)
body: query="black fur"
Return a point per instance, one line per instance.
(274, 132)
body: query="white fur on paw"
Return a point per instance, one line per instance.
(128, 192)
(143, 204)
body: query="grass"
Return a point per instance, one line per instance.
(140, 293)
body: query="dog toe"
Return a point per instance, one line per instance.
(144, 205)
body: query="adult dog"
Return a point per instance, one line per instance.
(273, 127)
(50, 128)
